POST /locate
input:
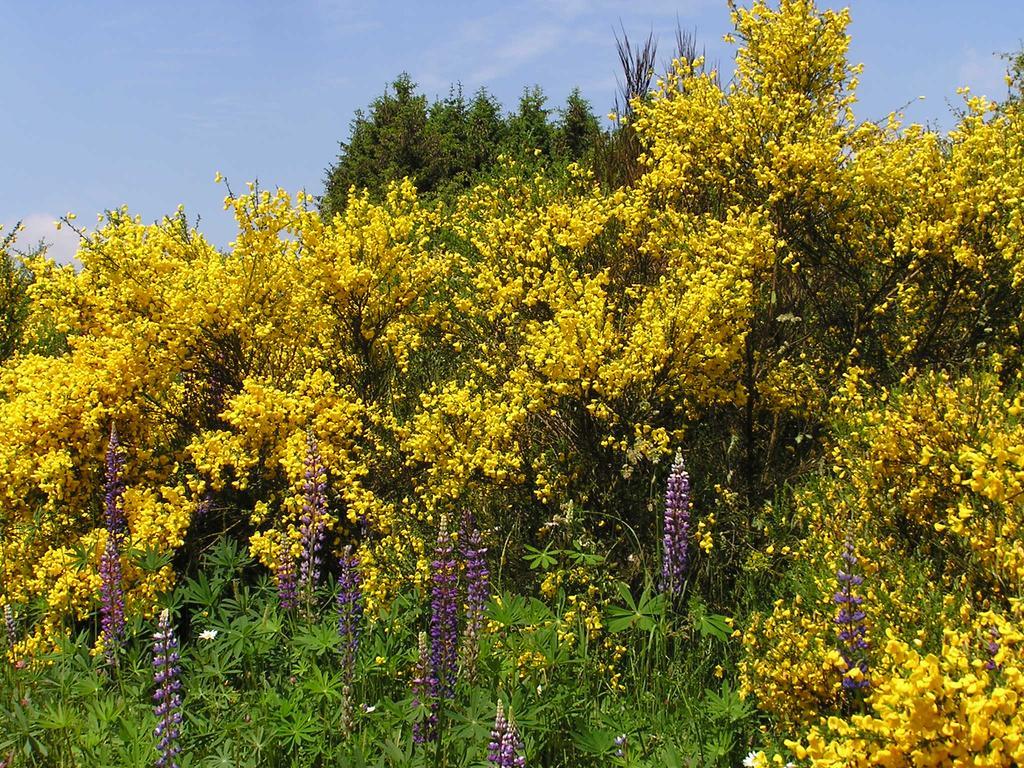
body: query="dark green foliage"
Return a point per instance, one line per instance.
(578, 131)
(14, 300)
(267, 689)
(528, 127)
(446, 146)
(387, 144)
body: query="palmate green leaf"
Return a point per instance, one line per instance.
(713, 625)
(295, 726)
(325, 684)
(224, 757)
(620, 619)
(536, 612)
(473, 723)
(82, 557)
(317, 639)
(709, 624)
(55, 716)
(22, 731)
(150, 559)
(398, 747)
(507, 609)
(726, 706)
(594, 741)
(200, 591)
(579, 557)
(669, 756)
(719, 746)
(228, 557)
(541, 559)
(642, 614)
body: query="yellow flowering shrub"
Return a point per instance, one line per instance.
(779, 277)
(922, 481)
(212, 367)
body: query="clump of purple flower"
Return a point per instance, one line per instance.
(993, 648)
(850, 619)
(203, 507)
(112, 620)
(312, 529)
(424, 727)
(478, 589)
(505, 748)
(350, 604)
(676, 532)
(167, 699)
(444, 628)
(10, 625)
(117, 524)
(287, 587)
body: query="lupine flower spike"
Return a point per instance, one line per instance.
(505, 748)
(167, 699)
(10, 625)
(350, 614)
(312, 530)
(112, 621)
(676, 534)
(112, 618)
(850, 619)
(443, 617)
(478, 590)
(424, 727)
(114, 488)
(287, 589)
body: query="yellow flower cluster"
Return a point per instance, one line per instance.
(923, 480)
(960, 706)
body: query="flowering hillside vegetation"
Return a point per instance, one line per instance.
(725, 462)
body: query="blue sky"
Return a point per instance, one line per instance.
(140, 103)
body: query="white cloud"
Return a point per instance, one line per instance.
(984, 74)
(61, 245)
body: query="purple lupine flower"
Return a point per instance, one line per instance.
(424, 727)
(621, 745)
(112, 620)
(113, 502)
(850, 618)
(505, 747)
(993, 648)
(676, 534)
(444, 621)
(350, 607)
(478, 590)
(216, 391)
(167, 699)
(204, 506)
(10, 625)
(287, 589)
(312, 529)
